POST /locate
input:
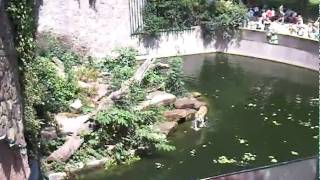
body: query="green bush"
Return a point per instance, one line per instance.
(179, 14)
(153, 78)
(226, 15)
(130, 130)
(174, 79)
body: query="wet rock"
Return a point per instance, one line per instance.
(166, 128)
(70, 123)
(49, 133)
(178, 114)
(184, 103)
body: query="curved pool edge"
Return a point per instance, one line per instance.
(290, 50)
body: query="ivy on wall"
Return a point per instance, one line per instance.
(21, 14)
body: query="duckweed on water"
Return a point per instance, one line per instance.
(276, 123)
(249, 157)
(294, 153)
(273, 159)
(225, 160)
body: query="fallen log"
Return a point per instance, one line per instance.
(74, 142)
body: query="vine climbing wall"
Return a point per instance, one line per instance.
(13, 157)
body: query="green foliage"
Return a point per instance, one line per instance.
(123, 57)
(136, 94)
(57, 91)
(226, 16)
(180, 14)
(160, 15)
(120, 74)
(48, 146)
(153, 78)
(174, 80)
(130, 130)
(21, 15)
(50, 47)
(87, 73)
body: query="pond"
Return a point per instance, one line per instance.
(259, 107)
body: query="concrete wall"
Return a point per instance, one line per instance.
(96, 29)
(13, 158)
(290, 50)
(100, 28)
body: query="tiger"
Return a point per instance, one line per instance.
(199, 120)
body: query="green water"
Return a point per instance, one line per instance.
(245, 97)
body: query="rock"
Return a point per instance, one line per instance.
(57, 176)
(166, 128)
(49, 133)
(161, 98)
(196, 94)
(76, 105)
(184, 103)
(157, 98)
(70, 123)
(178, 114)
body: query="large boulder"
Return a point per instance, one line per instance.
(184, 103)
(157, 98)
(178, 114)
(166, 128)
(161, 98)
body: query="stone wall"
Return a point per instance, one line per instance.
(13, 158)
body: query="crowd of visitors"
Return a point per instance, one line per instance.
(282, 20)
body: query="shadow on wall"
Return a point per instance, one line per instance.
(11, 163)
(221, 39)
(218, 39)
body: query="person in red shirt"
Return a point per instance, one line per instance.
(269, 13)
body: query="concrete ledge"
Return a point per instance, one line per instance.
(291, 50)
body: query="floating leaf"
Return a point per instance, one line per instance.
(225, 160)
(276, 123)
(274, 161)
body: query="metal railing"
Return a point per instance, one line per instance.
(136, 15)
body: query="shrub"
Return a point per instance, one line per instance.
(174, 80)
(226, 15)
(179, 14)
(130, 130)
